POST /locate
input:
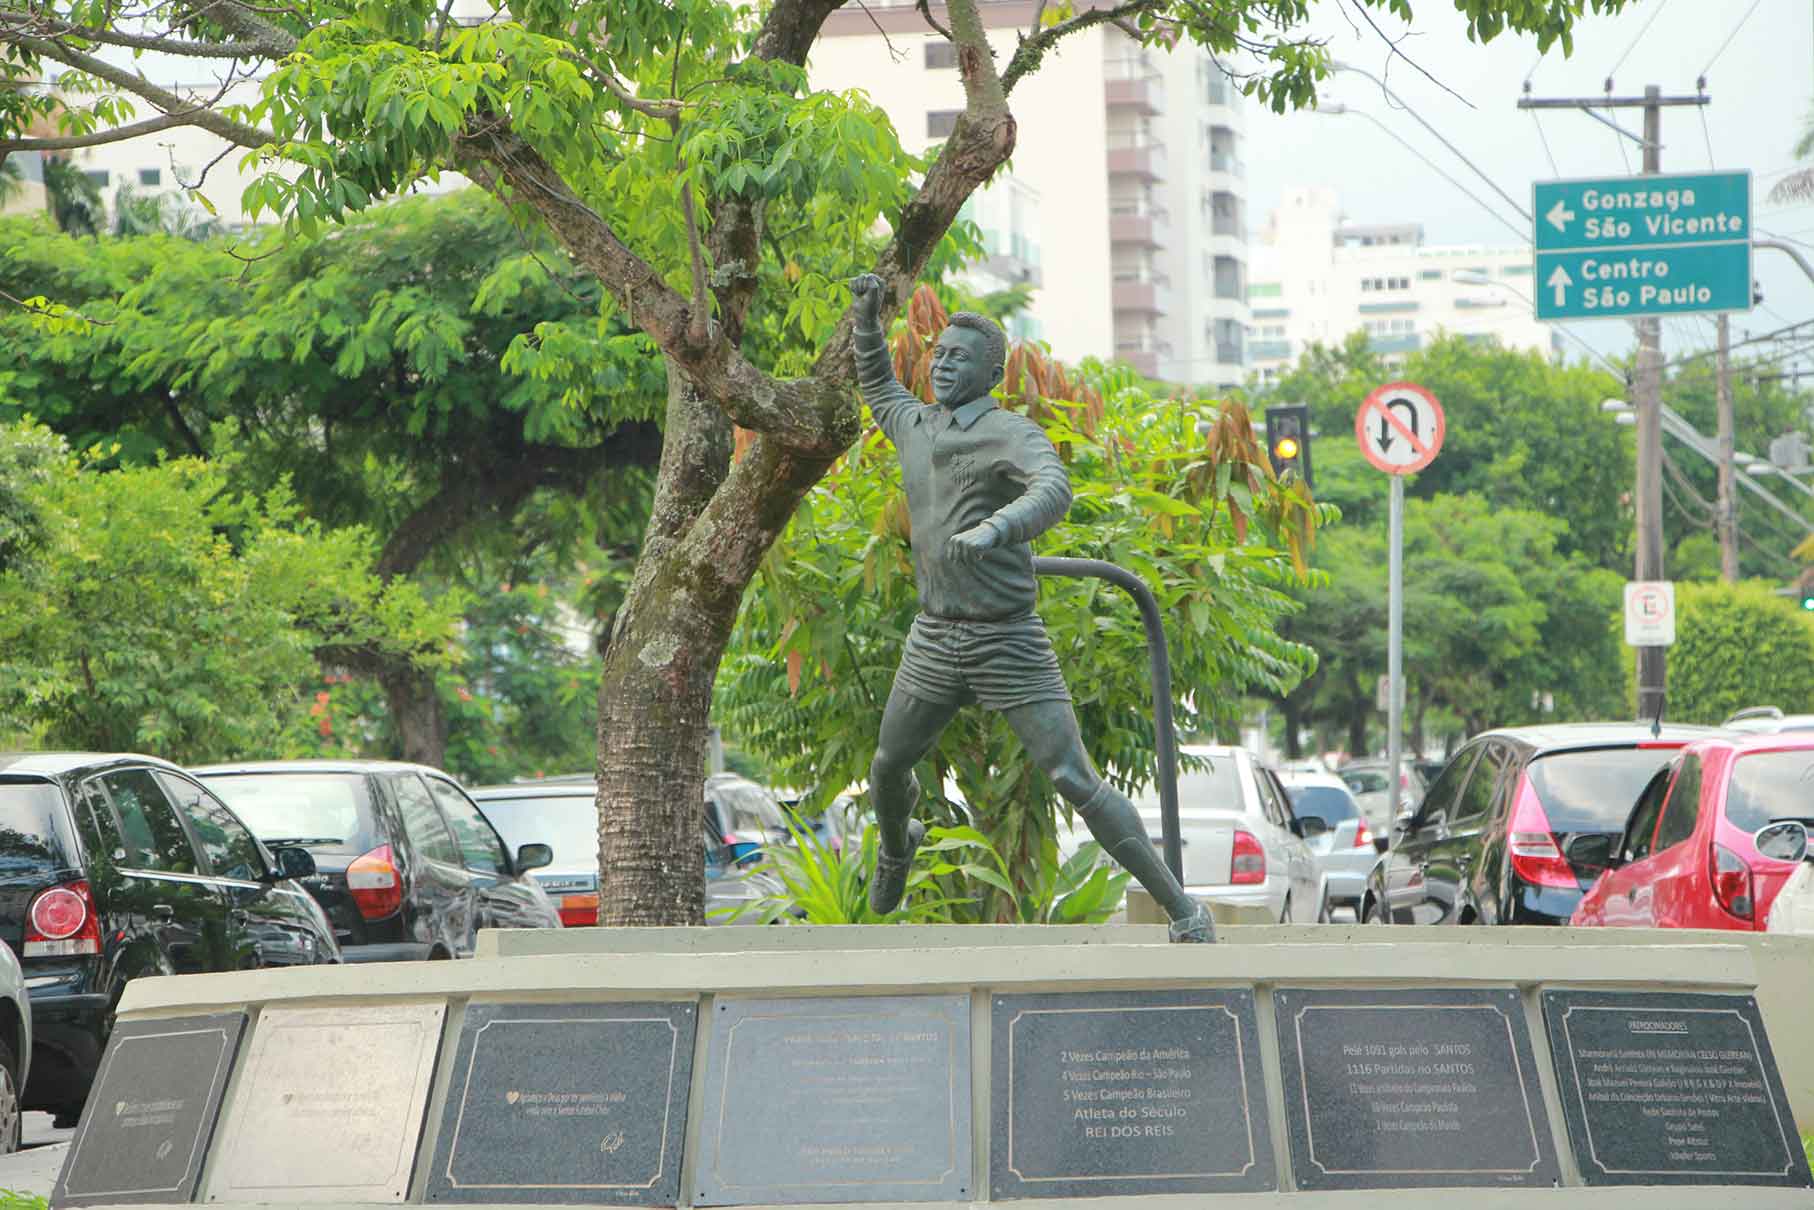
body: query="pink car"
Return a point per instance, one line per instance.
(1705, 845)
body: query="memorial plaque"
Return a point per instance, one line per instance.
(1671, 1088)
(151, 1111)
(1100, 1094)
(567, 1103)
(329, 1104)
(1408, 1088)
(833, 1099)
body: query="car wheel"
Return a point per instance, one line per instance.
(10, 1115)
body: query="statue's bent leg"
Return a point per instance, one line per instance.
(1048, 730)
(910, 726)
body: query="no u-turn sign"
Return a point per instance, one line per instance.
(1399, 427)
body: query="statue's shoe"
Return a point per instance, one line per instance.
(1196, 927)
(889, 882)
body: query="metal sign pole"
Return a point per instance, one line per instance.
(1395, 644)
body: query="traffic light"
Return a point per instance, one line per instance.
(1288, 441)
(1807, 599)
(1804, 590)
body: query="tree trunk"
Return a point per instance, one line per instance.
(415, 708)
(1293, 749)
(1357, 733)
(711, 524)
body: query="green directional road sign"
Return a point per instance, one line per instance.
(1622, 247)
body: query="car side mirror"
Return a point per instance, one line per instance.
(533, 857)
(1381, 844)
(293, 861)
(1784, 841)
(1404, 820)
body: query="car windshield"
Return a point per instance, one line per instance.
(1364, 781)
(1771, 785)
(1327, 803)
(34, 835)
(1215, 787)
(567, 823)
(327, 812)
(1594, 790)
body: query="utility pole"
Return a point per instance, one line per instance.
(1727, 501)
(1647, 381)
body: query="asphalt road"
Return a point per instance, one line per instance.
(34, 1169)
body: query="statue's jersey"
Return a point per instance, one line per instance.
(962, 466)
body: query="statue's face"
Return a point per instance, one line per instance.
(960, 366)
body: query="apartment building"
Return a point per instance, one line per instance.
(1317, 277)
(1128, 166)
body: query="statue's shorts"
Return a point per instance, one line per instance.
(996, 664)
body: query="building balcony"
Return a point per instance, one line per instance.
(1143, 160)
(1143, 356)
(1146, 228)
(1395, 344)
(1148, 296)
(1268, 350)
(1138, 93)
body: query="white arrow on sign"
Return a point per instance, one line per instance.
(1560, 215)
(1560, 281)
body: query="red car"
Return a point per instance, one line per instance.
(1689, 856)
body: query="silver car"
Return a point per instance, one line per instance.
(563, 815)
(1241, 842)
(1338, 834)
(1367, 781)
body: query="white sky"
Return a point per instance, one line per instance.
(1761, 85)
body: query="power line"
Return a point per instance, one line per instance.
(1538, 121)
(1708, 136)
(1614, 69)
(1730, 36)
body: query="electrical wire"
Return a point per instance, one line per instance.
(1623, 158)
(1655, 13)
(1706, 135)
(1728, 42)
(1520, 232)
(1544, 139)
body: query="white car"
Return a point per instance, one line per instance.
(1239, 835)
(1335, 828)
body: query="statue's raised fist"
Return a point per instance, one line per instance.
(866, 289)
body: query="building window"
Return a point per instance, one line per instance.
(1516, 271)
(151, 176)
(1264, 289)
(1369, 284)
(940, 54)
(1430, 275)
(941, 122)
(97, 175)
(1390, 327)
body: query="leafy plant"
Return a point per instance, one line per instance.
(1738, 645)
(821, 885)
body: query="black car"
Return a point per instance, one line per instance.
(116, 866)
(1513, 830)
(406, 865)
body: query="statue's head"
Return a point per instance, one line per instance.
(967, 361)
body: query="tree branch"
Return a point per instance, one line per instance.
(96, 138)
(38, 25)
(168, 102)
(981, 142)
(1033, 49)
(240, 19)
(802, 414)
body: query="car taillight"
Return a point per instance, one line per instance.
(579, 911)
(1249, 864)
(1362, 837)
(375, 883)
(1731, 881)
(1536, 857)
(61, 923)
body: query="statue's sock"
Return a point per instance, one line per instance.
(1118, 828)
(894, 808)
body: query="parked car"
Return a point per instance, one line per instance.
(406, 866)
(567, 817)
(1767, 719)
(1507, 833)
(1332, 825)
(15, 1042)
(1241, 840)
(745, 816)
(1368, 781)
(1701, 848)
(116, 866)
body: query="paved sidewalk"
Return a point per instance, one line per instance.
(34, 1169)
